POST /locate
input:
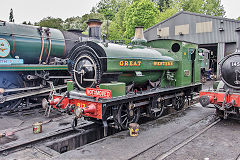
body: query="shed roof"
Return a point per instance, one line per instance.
(194, 14)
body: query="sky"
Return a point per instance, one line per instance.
(34, 11)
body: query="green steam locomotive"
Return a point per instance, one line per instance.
(128, 80)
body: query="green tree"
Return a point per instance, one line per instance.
(117, 27)
(193, 5)
(140, 13)
(207, 7)
(238, 18)
(166, 13)
(11, 18)
(170, 10)
(86, 17)
(81, 22)
(51, 23)
(73, 23)
(162, 4)
(214, 8)
(109, 7)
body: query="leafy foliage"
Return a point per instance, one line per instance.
(168, 11)
(162, 4)
(73, 23)
(51, 23)
(120, 17)
(140, 13)
(108, 8)
(80, 22)
(117, 27)
(207, 7)
(69, 23)
(238, 18)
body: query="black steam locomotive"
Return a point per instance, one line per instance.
(226, 97)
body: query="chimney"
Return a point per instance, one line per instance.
(139, 37)
(238, 39)
(94, 28)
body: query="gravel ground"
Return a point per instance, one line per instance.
(221, 142)
(163, 133)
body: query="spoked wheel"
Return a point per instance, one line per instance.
(157, 109)
(180, 102)
(127, 114)
(10, 80)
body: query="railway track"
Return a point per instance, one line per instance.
(176, 147)
(185, 142)
(49, 137)
(42, 138)
(238, 157)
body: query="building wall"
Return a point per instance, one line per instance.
(230, 48)
(199, 29)
(192, 22)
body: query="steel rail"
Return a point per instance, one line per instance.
(238, 157)
(185, 142)
(9, 148)
(168, 137)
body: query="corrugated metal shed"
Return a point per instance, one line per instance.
(223, 29)
(216, 33)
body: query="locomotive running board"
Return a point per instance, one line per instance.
(29, 93)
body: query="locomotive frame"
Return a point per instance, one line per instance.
(151, 102)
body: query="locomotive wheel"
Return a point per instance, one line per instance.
(126, 115)
(86, 70)
(180, 102)
(10, 80)
(157, 109)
